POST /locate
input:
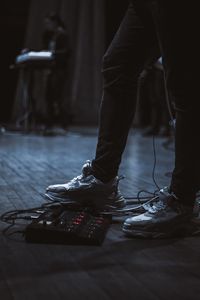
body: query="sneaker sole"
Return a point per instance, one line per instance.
(106, 210)
(119, 202)
(171, 230)
(182, 232)
(142, 234)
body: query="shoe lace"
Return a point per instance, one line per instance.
(75, 179)
(86, 170)
(159, 203)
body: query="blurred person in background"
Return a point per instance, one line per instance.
(56, 40)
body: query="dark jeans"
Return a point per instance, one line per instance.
(149, 30)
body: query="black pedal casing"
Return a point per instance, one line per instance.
(68, 226)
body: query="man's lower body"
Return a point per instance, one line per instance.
(149, 30)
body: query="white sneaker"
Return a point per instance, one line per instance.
(85, 189)
(164, 218)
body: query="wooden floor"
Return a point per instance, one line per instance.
(119, 269)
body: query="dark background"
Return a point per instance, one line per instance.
(19, 24)
(13, 20)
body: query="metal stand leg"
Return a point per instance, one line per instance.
(26, 75)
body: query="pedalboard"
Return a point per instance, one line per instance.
(68, 225)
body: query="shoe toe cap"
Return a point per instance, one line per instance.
(141, 219)
(56, 188)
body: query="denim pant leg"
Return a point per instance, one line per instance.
(134, 45)
(178, 24)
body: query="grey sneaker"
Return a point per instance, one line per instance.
(165, 218)
(85, 189)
